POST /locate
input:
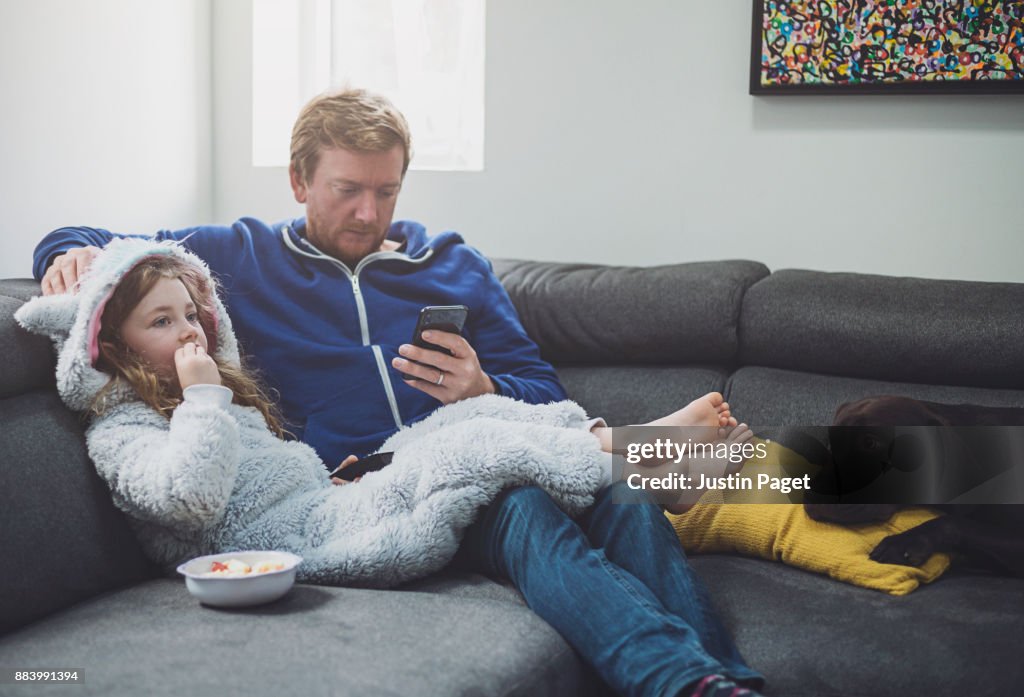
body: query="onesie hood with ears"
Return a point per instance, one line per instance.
(72, 321)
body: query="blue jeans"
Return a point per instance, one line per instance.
(615, 584)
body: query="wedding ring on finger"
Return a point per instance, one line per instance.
(440, 378)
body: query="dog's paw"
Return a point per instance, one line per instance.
(910, 548)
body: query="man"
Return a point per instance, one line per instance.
(323, 306)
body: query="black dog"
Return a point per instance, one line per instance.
(882, 460)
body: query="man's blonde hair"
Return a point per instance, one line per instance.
(352, 119)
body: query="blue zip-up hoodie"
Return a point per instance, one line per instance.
(323, 335)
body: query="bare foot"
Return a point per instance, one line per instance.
(704, 418)
(706, 414)
(711, 464)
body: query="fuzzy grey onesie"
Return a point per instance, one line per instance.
(214, 478)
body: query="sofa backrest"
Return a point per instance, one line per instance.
(599, 315)
(631, 343)
(813, 340)
(786, 349)
(63, 539)
(886, 328)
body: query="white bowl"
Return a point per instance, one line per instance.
(239, 591)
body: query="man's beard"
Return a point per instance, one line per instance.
(368, 238)
(352, 256)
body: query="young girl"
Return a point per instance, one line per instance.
(192, 450)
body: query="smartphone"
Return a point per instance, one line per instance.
(445, 318)
(370, 463)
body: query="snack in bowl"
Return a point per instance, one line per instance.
(237, 567)
(238, 579)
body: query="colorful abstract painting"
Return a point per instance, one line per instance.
(885, 46)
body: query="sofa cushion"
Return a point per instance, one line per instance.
(64, 539)
(814, 637)
(796, 408)
(579, 313)
(20, 288)
(771, 400)
(886, 328)
(28, 358)
(155, 639)
(637, 394)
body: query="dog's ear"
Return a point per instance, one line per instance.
(934, 419)
(844, 413)
(906, 453)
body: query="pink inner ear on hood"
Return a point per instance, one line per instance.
(94, 329)
(95, 324)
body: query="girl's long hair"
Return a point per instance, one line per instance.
(128, 367)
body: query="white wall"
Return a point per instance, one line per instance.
(623, 133)
(105, 120)
(617, 133)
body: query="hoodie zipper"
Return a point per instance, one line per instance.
(357, 294)
(364, 324)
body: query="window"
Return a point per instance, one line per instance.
(427, 56)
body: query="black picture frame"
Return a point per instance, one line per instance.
(877, 76)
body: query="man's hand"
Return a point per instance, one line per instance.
(338, 481)
(66, 269)
(445, 378)
(195, 366)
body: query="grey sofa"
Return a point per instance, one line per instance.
(630, 343)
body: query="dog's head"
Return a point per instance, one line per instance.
(870, 436)
(868, 439)
(888, 410)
